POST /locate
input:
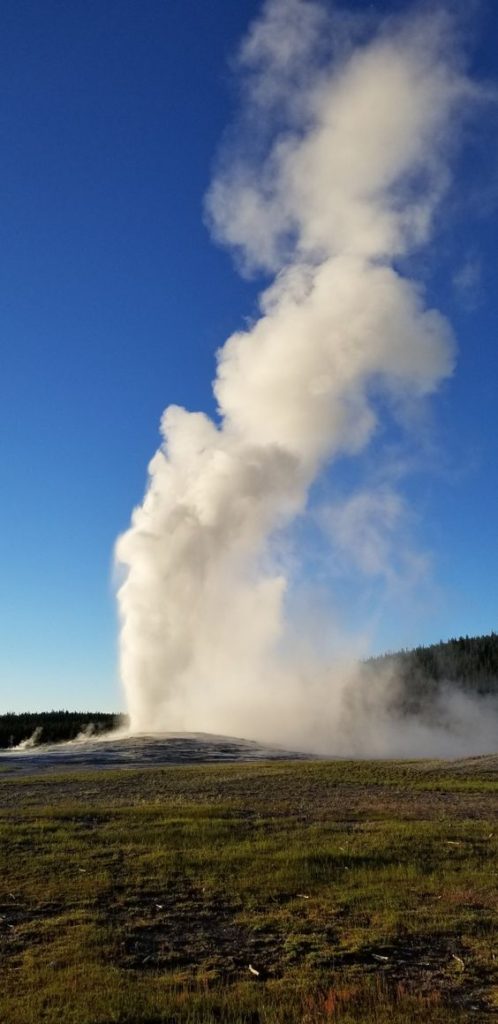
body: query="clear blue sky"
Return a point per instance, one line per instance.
(114, 299)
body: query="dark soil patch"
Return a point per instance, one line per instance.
(426, 966)
(189, 930)
(19, 926)
(186, 928)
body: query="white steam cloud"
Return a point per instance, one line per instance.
(347, 163)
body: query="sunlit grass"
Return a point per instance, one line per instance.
(359, 891)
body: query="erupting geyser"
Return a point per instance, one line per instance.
(350, 140)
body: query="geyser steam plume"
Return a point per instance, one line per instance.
(347, 162)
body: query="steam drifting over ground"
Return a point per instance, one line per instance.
(333, 176)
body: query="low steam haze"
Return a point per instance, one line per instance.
(330, 179)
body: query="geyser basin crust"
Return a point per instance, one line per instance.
(140, 752)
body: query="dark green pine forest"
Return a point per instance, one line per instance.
(53, 726)
(424, 674)
(414, 680)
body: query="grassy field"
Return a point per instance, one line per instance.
(359, 892)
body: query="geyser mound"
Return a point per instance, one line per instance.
(141, 751)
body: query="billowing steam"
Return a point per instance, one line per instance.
(332, 179)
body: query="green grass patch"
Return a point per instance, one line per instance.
(359, 892)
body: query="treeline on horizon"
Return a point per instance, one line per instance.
(54, 726)
(418, 676)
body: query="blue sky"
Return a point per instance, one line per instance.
(114, 300)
